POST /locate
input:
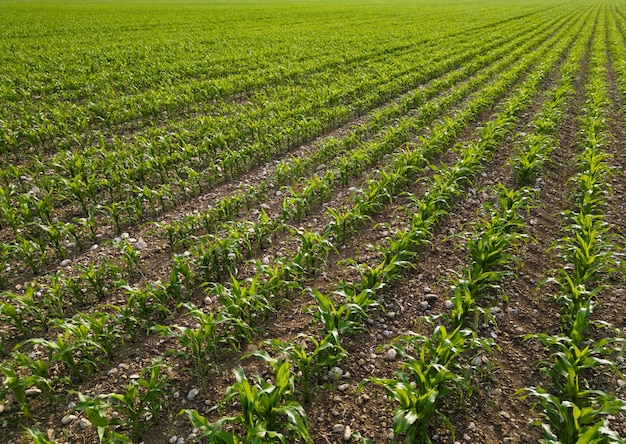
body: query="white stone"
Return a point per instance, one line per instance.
(391, 355)
(68, 419)
(338, 428)
(140, 244)
(192, 393)
(65, 262)
(347, 433)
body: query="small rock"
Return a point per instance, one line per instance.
(94, 247)
(32, 392)
(71, 405)
(335, 373)
(347, 433)
(363, 399)
(513, 311)
(51, 434)
(84, 423)
(68, 419)
(466, 437)
(192, 393)
(265, 260)
(134, 376)
(427, 290)
(140, 244)
(424, 305)
(338, 428)
(391, 355)
(180, 440)
(111, 372)
(173, 439)
(431, 297)
(448, 304)
(507, 440)
(391, 314)
(343, 387)
(621, 384)
(65, 262)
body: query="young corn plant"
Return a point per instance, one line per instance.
(143, 399)
(201, 342)
(338, 320)
(310, 356)
(98, 413)
(426, 378)
(18, 385)
(268, 414)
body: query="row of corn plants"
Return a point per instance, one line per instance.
(573, 409)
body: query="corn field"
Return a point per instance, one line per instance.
(313, 222)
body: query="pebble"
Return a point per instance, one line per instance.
(448, 304)
(265, 260)
(392, 354)
(68, 419)
(32, 392)
(140, 244)
(94, 247)
(427, 290)
(173, 439)
(335, 373)
(431, 297)
(192, 393)
(84, 423)
(621, 383)
(111, 372)
(180, 440)
(507, 440)
(338, 428)
(71, 405)
(347, 433)
(391, 314)
(424, 305)
(343, 387)
(513, 311)
(466, 437)
(65, 262)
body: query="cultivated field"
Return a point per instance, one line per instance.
(312, 222)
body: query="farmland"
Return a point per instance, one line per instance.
(324, 222)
